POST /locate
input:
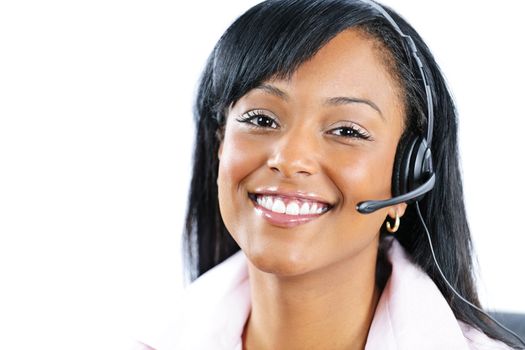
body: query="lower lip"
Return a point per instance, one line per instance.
(284, 220)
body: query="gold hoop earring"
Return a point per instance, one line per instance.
(396, 225)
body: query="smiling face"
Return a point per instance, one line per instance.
(325, 137)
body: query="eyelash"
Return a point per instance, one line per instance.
(356, 131)
(251, 115)
(248, 117)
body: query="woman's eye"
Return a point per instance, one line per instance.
(350, 131)
(263, 121)
(258, 119)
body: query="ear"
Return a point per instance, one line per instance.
(398, 208)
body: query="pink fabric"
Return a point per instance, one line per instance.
(411, 313)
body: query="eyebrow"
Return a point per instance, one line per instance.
(332, 101)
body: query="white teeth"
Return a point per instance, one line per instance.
(278, 206)
(292, 208)
(305, 209)
(267, 202)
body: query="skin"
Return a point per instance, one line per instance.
(313, 285)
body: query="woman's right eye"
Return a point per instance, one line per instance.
(258, 119)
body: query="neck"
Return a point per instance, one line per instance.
(330, 308)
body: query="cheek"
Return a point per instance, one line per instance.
(359, 176)
(238, 160)
(365, 175)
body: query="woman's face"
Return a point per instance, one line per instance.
(298, 155)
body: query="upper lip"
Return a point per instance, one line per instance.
(304, 195)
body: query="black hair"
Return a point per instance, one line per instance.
(271, 40)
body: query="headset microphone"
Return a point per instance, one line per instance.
(371, 206)
(412, 177)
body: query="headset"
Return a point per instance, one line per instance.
(413, 174)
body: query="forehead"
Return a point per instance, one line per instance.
(350, 64)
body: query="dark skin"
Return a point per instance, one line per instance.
(313, 285)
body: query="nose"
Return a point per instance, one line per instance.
(295, 154)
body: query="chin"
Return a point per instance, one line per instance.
(280, 263)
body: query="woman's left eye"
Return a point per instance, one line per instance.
(351, 131)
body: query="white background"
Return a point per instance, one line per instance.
(95, 150)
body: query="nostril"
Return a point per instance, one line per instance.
(290, 165)
(290, 173)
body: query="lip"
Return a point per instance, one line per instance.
(284, 220)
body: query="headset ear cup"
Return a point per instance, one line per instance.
(420, 165)
(415, 174)
(401, 173)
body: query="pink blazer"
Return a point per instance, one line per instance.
(411, 313)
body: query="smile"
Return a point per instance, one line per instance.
(286, 211)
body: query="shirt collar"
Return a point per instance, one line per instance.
(411, 310)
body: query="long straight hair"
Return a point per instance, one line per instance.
(271, 40)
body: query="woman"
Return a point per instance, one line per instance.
(304, 112)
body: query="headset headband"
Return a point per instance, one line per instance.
(413, 51)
